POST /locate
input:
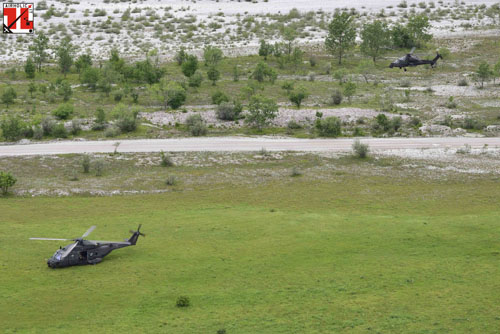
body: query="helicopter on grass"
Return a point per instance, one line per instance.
(411, 60)
(87, 251)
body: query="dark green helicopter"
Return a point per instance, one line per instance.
(87, 251)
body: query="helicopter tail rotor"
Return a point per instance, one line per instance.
(135, 235)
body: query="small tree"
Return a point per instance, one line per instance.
(126, 118)
(175, 95)
(359, 149)
(289, 35)
(65, 90)
(32, 88)
(349, 90)
(90, 76)
(265, 49)
(6, 181)
(263, 71)
(190, 65)
(483, 73)
(12, 128)
(229, 111)
(341, 34)
(212, 55)
(83, 62)
(29, 68)
(213, 75)
(195, 80)
(64, 56)
(288, 86)
(218, 97)
(375, 39)
(298, 96)
(261, 111)
(86, 163)
(181, 56)
(8, 96)
(39, 49)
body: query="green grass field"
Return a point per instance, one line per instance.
(371, 255)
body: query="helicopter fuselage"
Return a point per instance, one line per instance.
(84, 253)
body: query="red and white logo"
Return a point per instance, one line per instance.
(18, 18)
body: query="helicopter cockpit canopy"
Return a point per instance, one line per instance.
(58, 255)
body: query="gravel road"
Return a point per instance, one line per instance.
(240, 144)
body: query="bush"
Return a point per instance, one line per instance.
(313, 61)
(297, 96)
(213, 74)
(295, 172)
(195, 80)
(59, 131)
(172, 181)
(218, 97)
(126, 119)
(8, 96)
(37, 133)
(175, 95)
(6, 182)
(359, 149)
(329, 127)
(337, 97)
(190, 65)
(86, 163)
(165, 160)
(293, 125)
(196, 125)
(463, 82)
(75, 127)
(48, 125)
(229, 111)
(261, 111)
(64, 111)
(99, 167)
(12, 128)
(451, 104)
(182, 301)
(112, 131)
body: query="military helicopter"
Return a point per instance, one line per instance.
(87, 251)
(411, 60)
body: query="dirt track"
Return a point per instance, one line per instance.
(241, 144)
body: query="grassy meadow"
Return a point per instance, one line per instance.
(371, 255)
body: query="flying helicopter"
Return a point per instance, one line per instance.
(87, 251)
(411, 60)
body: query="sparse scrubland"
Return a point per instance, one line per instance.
(59, 88)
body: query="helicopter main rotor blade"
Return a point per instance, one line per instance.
(69, 249)
(88, 231)
(412, 50)
(50, 239)
(107, 242)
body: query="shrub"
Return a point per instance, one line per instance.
(75, 127)
(172, 181)
(415, 122)
(313, 61)
(195, 80)
(288, 86)
(297, 96)
(293, 125)
(295, 172)
(126, 119)
(6, 182)
(64, 111)
(196, 125)
(190, 65)
(229, 111)
(175, 95)
(99, 167)
(48, 124)
(261, 111)
(263, 71)
(86, 163)
(182, 301)
(181, 56)
(359, 149)
(336, 97)
(12, 128)
(118, 96)
(451, 104)
(8, 96)
(329, 127)
(213, 74)
(218, 97)
(112, 131)
(37, 133)
(165, 160)
(59, 131)
(463, 82)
